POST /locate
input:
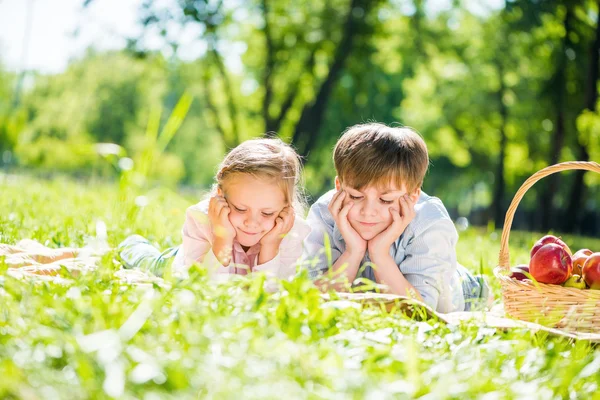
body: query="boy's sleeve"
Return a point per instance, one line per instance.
(317, 257)
(430, 262)
(284, 264)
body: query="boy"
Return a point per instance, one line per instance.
(381, 226)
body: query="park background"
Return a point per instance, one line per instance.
(115, 113)
(498, 89)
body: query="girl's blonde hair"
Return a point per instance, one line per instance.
(266, 159)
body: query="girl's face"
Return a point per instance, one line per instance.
(255, 204)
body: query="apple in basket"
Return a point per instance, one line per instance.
(547, 240)
(518, 272)
(591, 271)
(575, 281)
(579, 259)
(551, 264)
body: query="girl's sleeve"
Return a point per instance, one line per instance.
(283, 265)
(197, 241)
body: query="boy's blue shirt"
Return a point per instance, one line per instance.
(425, 253)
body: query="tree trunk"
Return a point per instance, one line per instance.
(575, 208)
(558, 138)
(307, 128)
(498, 200)
(231, 107)
(268, 72)
(274, 123)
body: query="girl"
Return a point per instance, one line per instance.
(251, 221)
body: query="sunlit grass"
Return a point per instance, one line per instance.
(198, 339)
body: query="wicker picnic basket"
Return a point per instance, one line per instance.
(571, 309)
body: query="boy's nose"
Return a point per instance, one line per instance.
(369, 209)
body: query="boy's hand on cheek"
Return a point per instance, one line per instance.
(271, 241)
(402, 215)
(354, 242)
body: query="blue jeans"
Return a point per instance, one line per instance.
(475, 289)
(137, 252)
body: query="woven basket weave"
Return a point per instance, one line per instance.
(571, 309)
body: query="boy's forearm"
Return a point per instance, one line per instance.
(387, 273)
(342, 273)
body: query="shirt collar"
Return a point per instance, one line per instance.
(251, 251)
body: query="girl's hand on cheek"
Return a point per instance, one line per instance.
(218, 214)
(283, 224)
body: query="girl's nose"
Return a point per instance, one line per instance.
(250, 221)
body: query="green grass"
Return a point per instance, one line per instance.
(99, 338)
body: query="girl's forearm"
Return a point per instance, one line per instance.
(267, 253)
(222, 250)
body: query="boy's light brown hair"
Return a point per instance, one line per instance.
(377, 154)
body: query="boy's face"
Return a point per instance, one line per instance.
(370, 214)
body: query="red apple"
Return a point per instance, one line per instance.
(551, 264)
(591, 271)
(547, 240)
(579, 259)
(517, 272)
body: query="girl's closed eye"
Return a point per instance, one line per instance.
(355, 197)
(386, 201)
(239, 209)
(268, 214)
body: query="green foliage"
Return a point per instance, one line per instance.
(11, 120)
(108, 98)
(98, 337)
(489, 88)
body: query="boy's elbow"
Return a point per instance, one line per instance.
(429, 296)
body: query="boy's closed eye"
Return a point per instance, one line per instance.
(383, 200)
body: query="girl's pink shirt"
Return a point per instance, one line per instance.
(197, 248)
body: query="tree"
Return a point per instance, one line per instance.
(296, 61)
(575, 206)
(568, 27)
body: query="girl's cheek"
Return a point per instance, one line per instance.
(233, 218)
(267, 226)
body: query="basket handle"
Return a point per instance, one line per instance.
(504, 259)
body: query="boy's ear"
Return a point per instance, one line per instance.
(338, 185)
(219, 191)
(415, 196)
